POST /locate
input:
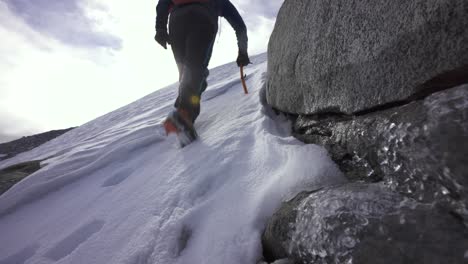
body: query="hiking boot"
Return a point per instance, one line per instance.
(179, 122)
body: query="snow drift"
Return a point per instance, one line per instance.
(117, 190)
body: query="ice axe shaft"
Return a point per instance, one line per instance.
(243, 79)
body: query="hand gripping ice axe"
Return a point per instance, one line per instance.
(243, 79)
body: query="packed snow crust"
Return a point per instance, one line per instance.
(117, 190)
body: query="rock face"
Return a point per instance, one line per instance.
(13, 174)
(364, 223)
(350, 56)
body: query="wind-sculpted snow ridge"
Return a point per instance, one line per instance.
(116, 190)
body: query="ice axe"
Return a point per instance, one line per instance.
(243, 79)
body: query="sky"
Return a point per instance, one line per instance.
(65, 62)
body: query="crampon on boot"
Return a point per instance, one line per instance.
(177, 123)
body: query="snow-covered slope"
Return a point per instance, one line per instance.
(117, 190)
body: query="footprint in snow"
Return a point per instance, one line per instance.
(182, 241)
(210, 94)
(74, 240)
(117, 178)
(22, 256)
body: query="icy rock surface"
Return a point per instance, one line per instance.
(365, 223)
(280, 261)
(419, 149)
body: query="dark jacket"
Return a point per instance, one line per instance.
(223, 8)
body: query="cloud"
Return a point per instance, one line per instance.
(64, 20)
(46, 84)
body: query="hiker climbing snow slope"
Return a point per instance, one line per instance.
(193, 25)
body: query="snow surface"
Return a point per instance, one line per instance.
(117, 190)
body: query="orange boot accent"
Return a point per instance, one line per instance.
(170, 127)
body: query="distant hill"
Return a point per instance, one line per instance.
(15, 147)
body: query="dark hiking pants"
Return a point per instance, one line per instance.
(192, 31)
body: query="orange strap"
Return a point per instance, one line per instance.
(243, 80)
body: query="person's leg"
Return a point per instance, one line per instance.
(198, 47)
(207, 72)
(177, 38)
